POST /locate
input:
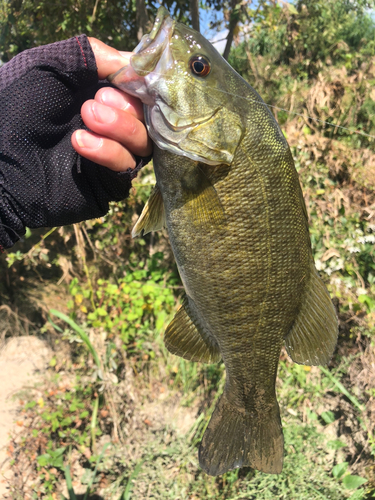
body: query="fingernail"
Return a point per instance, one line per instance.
(103, 114)
(87, 140)
(115, 99)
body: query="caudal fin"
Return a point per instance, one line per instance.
(236, 439)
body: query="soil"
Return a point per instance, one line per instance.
(23, 361)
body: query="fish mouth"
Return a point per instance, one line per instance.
(151, 54)
(151, 49)
(162, 22)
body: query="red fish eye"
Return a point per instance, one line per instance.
(200, 65)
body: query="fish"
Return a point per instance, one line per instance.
(229, 195)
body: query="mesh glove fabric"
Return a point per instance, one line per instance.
(43, 180)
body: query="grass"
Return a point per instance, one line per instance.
(156, 460)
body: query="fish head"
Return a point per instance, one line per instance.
(188, 91)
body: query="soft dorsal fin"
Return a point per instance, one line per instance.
(186, 337)
(152, 217)
(313, 336)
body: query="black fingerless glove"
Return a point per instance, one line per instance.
(43, 181)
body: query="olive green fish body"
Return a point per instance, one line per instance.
(245, 277)
(228, 193)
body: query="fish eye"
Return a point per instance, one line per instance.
(200, 65)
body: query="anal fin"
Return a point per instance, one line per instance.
(152, 217)
(313, 336)
(186, 337)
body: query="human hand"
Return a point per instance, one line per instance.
(46, 183)
(115, 119)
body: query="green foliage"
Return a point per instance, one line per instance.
(28, 23)
(353, 482)
(133, 307)
(312, 33)
(60, 423)
(323, 45)
(339, 469)
(82, 334)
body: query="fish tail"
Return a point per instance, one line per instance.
(235, 438)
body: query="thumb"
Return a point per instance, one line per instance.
(108, 60)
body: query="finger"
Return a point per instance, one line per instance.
(117, 99)
(103, 151)
(108, 60)
(117, 125)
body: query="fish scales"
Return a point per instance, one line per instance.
(228, 193)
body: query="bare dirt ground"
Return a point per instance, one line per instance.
(22, 364)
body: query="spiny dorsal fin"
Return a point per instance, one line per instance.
(313, 336)
(200, 197)
(187, 338)
(153, 215)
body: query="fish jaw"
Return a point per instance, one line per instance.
(151, 59)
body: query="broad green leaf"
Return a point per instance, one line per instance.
(336, 444)
(358, 495)
(352, 482)
(328, 417)
(101, 311)
(292, 9)
(44, 460)
(339, 469)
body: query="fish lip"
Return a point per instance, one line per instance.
(161, 16)
(152, 46)
(147, 55)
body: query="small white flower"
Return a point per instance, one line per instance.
(354, 249)
(336, 281)
(319, 265)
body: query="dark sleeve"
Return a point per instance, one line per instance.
(43, 181)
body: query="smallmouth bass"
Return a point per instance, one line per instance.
(228, 193)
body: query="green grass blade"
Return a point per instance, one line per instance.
(318, 492)
(93, 421)
(95, 470)
(342, 389)
(133, 475)
(69, 484)
(80, 332)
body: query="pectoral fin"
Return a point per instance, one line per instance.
(186, 337)
(313, 336)
(200, 197)
(152, 217)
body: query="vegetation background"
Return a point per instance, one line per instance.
(117, 417)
